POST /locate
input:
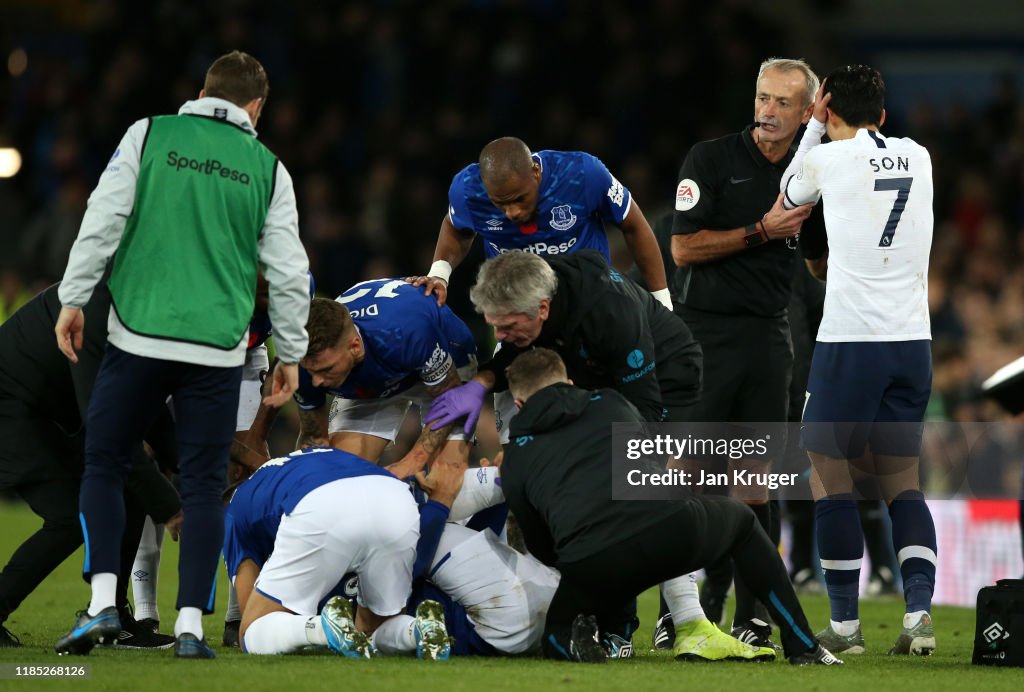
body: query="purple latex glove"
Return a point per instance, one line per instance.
(465, 400)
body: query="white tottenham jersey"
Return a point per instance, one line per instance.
(878, 217)
(506, 594)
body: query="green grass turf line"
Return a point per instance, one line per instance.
(49, 612)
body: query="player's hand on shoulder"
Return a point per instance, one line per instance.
(409, 465)
(780, 223)
(432, 285)
(443, 482)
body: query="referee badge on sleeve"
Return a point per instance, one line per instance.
(687, 195)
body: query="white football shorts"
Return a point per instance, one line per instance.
(368, 525)
(254, 372)
(383, 417)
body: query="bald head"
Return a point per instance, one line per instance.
(503, 159)
(511, 178)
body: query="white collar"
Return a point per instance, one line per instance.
(220, 109)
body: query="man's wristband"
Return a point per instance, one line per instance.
(440, 270)
(755, 234)
(663, 296)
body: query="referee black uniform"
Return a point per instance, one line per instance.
(736, 305)
(557, 480)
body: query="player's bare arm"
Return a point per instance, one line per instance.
(644, 247)
(430, 442)
(707, 245)
(250, 448)
(452, 247)
(245, 581)
(312, 428)
(818, 267)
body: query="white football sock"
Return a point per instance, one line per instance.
(315, 631)
(683, 599)
(911, 619)
(145, 571)
(104, 588)
(281, 633)
(845, 628)
(480, 490)
(189, 620)
(396, 636)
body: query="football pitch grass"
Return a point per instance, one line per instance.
(49, 612)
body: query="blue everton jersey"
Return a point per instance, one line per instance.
(577, 194)
(252, 518)
(407, 338)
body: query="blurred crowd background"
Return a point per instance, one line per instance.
(374, 105)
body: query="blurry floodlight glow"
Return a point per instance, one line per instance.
(10, 162)
(17, 61)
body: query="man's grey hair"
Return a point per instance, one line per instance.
(513, 282)
(789, 65)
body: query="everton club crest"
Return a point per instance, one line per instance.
(562, 218)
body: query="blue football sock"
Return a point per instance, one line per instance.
(913, 537)
(841, 550)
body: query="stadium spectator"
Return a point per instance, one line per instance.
(191, 204)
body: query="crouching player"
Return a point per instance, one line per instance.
(381, 347)
(296, 527)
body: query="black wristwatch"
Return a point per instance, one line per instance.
(754, 236)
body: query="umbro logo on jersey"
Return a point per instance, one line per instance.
(495, 223)
(735, 181)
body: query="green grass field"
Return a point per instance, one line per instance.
(48, 612)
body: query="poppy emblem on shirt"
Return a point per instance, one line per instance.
(528, 229)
